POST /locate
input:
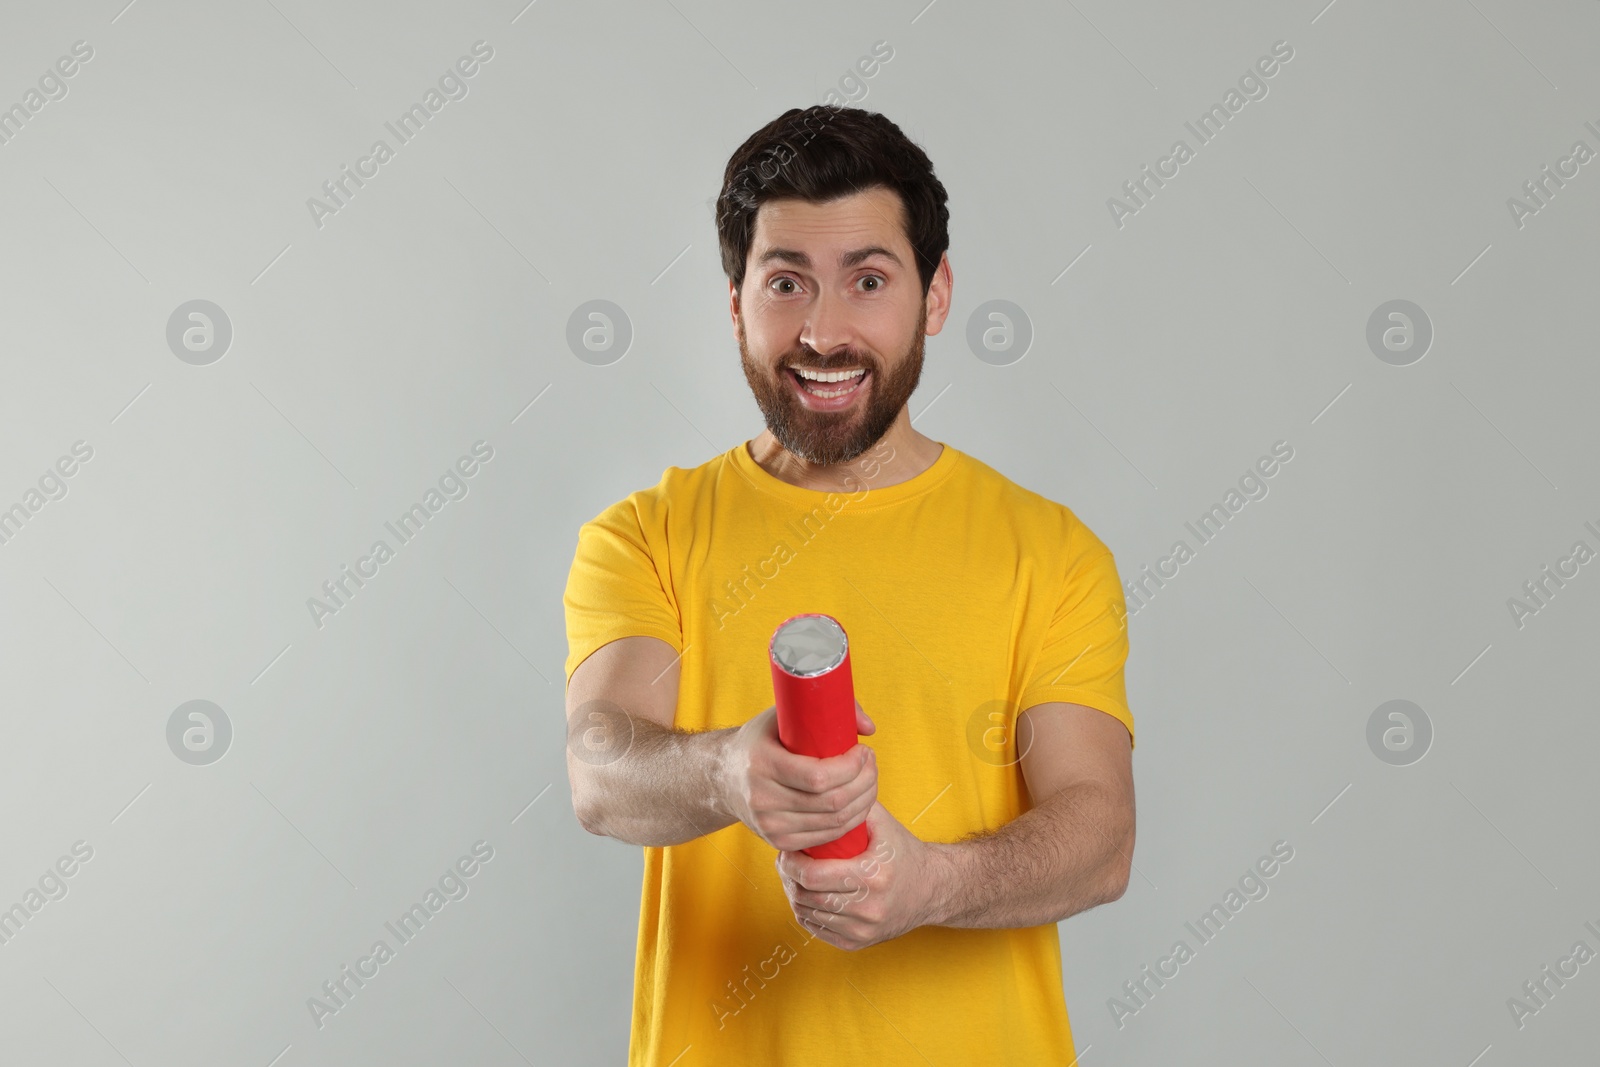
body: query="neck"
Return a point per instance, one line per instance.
(900, 455)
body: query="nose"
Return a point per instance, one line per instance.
(827, 326)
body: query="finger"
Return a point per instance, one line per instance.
(819, 932)
(841, 931)
(857, 809)
(856, 794)
(864, 723)
(833, 875)
(850, 890)
(833, 939)
(809, 774)
(849, 801)
(818, 874)
(798, 836)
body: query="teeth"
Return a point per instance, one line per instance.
(818, 389)
(829, 376)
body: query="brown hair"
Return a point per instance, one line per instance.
(822, 153)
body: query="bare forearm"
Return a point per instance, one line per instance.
(663, 789)
(1064, 856)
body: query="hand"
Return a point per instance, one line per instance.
(891, 888)
(792, 801)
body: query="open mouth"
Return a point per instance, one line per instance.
(831, 393)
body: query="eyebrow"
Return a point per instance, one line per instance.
(848, 259)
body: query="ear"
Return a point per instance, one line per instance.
(940, 291)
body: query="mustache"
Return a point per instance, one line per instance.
(813, 361)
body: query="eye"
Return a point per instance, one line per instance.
(783, 281)
(873, 278)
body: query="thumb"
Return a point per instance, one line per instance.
(864, 724)
(878, 821)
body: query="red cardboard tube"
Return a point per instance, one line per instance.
(816, 703)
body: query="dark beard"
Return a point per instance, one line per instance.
(828, 438)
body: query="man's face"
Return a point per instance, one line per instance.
(828, 288)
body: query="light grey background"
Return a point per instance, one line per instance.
(431, 312)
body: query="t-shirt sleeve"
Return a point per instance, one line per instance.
(1087, 643)
(615, 588)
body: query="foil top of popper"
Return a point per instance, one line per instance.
(809, 645)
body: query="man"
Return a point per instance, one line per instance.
(987, 642)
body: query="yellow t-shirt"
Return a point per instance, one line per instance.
(966, 599)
